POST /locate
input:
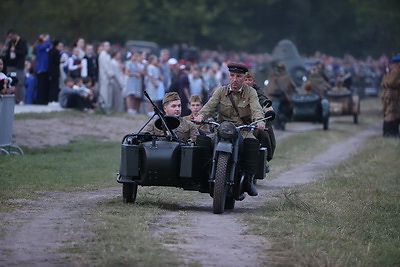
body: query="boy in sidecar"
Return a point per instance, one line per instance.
(172, 107)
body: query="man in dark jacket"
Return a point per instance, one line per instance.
(14, 55)
(266, 138)
(54, 70)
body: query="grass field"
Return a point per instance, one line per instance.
(349, 218)
(83, 165)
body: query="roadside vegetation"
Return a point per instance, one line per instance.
(348, 218)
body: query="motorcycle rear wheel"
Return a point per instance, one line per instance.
(220, 185)
(129, 193)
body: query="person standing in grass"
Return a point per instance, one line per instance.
(391, 99)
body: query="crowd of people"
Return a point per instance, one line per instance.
(85, 75)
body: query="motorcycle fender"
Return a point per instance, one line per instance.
(224, 147)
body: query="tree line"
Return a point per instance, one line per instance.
(358, 27)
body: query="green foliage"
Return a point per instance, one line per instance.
(344, 26)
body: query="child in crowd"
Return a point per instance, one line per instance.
(76, 96)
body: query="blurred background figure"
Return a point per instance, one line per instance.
(154, 83)
(54, 71)
(391, 99)
(90, 64)
(41, 69)
(117, 82)
(75, 64)
(105, 73)
(164, 68)
(133, 91)
(14, 53)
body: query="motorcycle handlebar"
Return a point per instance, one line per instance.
(268, 116)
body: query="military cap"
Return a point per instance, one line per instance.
(395, 58)
(237, 67)
(194, 98)
(171, 96)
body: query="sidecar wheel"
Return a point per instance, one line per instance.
(129, 192)
(220, 186)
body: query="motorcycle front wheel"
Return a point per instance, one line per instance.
(220, 185)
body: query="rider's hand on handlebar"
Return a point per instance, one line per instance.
(198, 119)
(261, 126)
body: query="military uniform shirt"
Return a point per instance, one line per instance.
(204, 127)
(186, 130)
(246, 102)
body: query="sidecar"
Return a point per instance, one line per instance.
(311, 108)
(342, 104)
(153, 160)
(162, 160)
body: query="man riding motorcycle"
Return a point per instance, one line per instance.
(239, 104)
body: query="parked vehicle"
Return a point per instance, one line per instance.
(219, 166)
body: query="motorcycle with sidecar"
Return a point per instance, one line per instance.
(346, 103)
(300, 108)
(220, 166)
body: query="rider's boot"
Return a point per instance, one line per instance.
(249, 164)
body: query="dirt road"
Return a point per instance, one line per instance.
(34, 235)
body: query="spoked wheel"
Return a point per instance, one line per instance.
(220, 186)
(129, 193)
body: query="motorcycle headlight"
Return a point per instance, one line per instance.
(227, 130)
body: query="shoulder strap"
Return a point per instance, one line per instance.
(233, 103)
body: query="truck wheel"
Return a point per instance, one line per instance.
(220, 186)
(129, 192)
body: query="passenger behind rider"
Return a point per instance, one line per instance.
(339, 88)
(172, 107)
(238, 103)
(280, 88)
(195, 105)
(267, 137)
(319, 82)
